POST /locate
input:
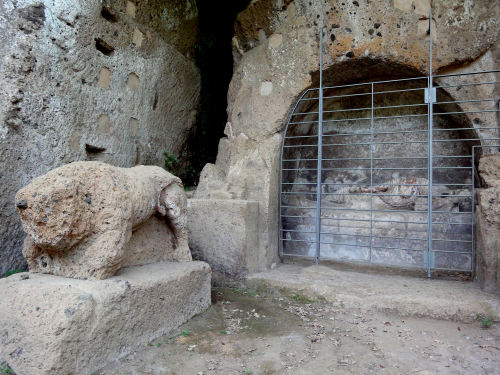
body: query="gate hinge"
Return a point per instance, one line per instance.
(430, 97)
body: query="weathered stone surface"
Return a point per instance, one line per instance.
(368, 292)
(225, 234)
(113, 81)
(378, 28)
(276, 54)
(488, 224)
(80, 219)
(55, 325)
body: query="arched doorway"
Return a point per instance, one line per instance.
(383, 172)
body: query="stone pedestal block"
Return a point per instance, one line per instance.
(55, 325)
(225, 234)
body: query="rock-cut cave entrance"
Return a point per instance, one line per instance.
(390, 179)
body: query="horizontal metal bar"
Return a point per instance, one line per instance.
(287, 239)
(346, 95)
(452, 156)
(384, 117)
(397, 248)
(451, 269)
(394, 158)
(374, 220)
(300, 160)
(302, 208)
(467, 140)
(466, 101)
(361, 134)
(465, 112)
(299, 183)
(478, 128)
(452, 195)
(299, 146)
(465, 74)
(446, 240)
(451, 223)
(399, 116)
(347, 119)
(369, 108)
(343, 244)
(396, 91)
(356, 119)
(388, 132)
(453, 184)
(395, 143)
(402, 238)
(447, 168)
(302, 136)
(353, 184)
(372, 143)
(376, 169)
(401, 80)
(298, 192)
(380, 195)
(377, 82)
(294, 231)
(346, 234)
(368, 210)
(299, 169)
(468, 84)
(298, 255)
(372, 236)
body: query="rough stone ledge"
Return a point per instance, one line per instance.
(400, 295)
(56, 325)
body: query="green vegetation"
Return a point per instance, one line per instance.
(486, 322)
(170, 161)
(12, 272)
(5, 369)
(300, 298)
(243, 291)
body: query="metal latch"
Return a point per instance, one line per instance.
(430, 97)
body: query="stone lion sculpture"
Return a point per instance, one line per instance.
(80, 219)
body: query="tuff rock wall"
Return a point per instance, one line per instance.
(113, 81)
(276, 58)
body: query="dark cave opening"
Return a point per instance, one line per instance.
(215, 60)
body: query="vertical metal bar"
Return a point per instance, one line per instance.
(320, 149)
(473, 250)
(429, 151)
(371, 174)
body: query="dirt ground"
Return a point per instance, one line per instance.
(246, 332)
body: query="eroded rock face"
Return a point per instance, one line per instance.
(89, 219)
(276, 54)
(110, 81)
(488, 224)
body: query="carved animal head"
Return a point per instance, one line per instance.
(54, 213)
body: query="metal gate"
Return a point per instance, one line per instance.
(384, 172)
